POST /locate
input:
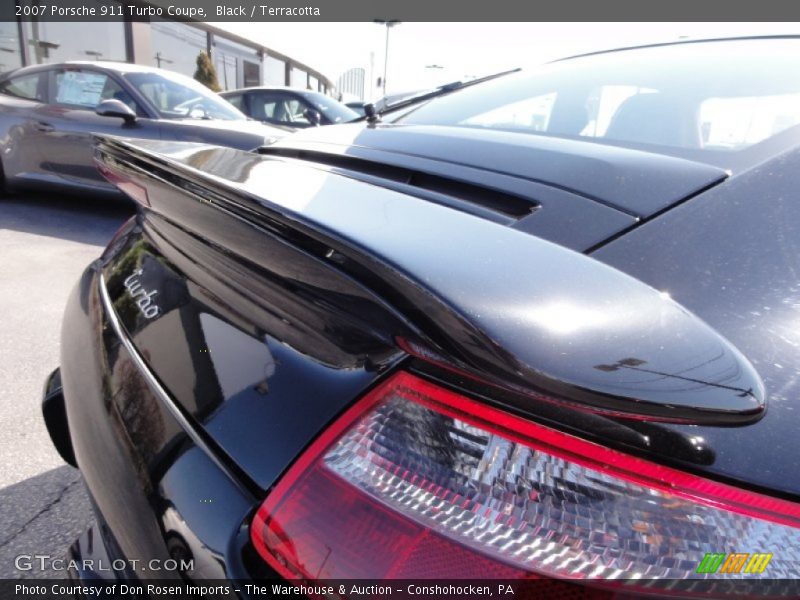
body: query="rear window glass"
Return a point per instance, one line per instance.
(730, 123)
(531, 113)
(721, 96)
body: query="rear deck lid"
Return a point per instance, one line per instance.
(634, 182)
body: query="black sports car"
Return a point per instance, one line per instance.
(48, 114)
(543, 327)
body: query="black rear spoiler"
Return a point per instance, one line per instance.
(497, 304)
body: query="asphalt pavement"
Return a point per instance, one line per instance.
(45, 243)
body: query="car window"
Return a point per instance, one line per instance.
(702, 100)
(263, 109)
(277, 108)
(358, 109)
(29, 87)
(237, 100)
(603, 103)
(175, 96)
(531, 113)
(86, 89)
(732, 123)
(294, 112)
(330, 109)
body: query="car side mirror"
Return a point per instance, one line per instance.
(115, 108)
(312, 116)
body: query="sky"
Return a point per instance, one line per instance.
(423, 55)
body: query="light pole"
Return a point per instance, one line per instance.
(389, 24)
(160, 59)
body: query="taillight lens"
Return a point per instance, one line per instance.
(416, 481)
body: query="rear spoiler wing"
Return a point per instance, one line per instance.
(494, 303)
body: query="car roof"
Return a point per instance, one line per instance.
(682, 42)
(117, 67)
(270, 88)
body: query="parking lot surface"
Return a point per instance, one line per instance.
(45, 241)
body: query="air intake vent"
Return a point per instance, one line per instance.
(467, 197)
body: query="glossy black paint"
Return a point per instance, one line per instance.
(637, 183)
(158, 495)
(289, 284)
(541, 208)
(597, 340)
(55, 417)
(732, 256)
(46, 145)
(240, 345)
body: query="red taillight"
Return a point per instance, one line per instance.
(416, 481)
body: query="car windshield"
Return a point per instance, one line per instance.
(335, 111)
(721, 97)
(178, 97)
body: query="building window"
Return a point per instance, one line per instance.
(226, 66)
(274, 71)
(10, 56)
(237, 65)
(299, 78)
(50, 42)
(175, 46)
(252, 73)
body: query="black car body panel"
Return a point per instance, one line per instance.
(268, 321)
(637, 300)
(744, 283)
(158, 494)
(637, 183)
(47, 144)
(240, 337)
(522, 342)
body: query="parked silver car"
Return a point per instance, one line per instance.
(48, 114)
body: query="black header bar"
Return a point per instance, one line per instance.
(405, 10)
